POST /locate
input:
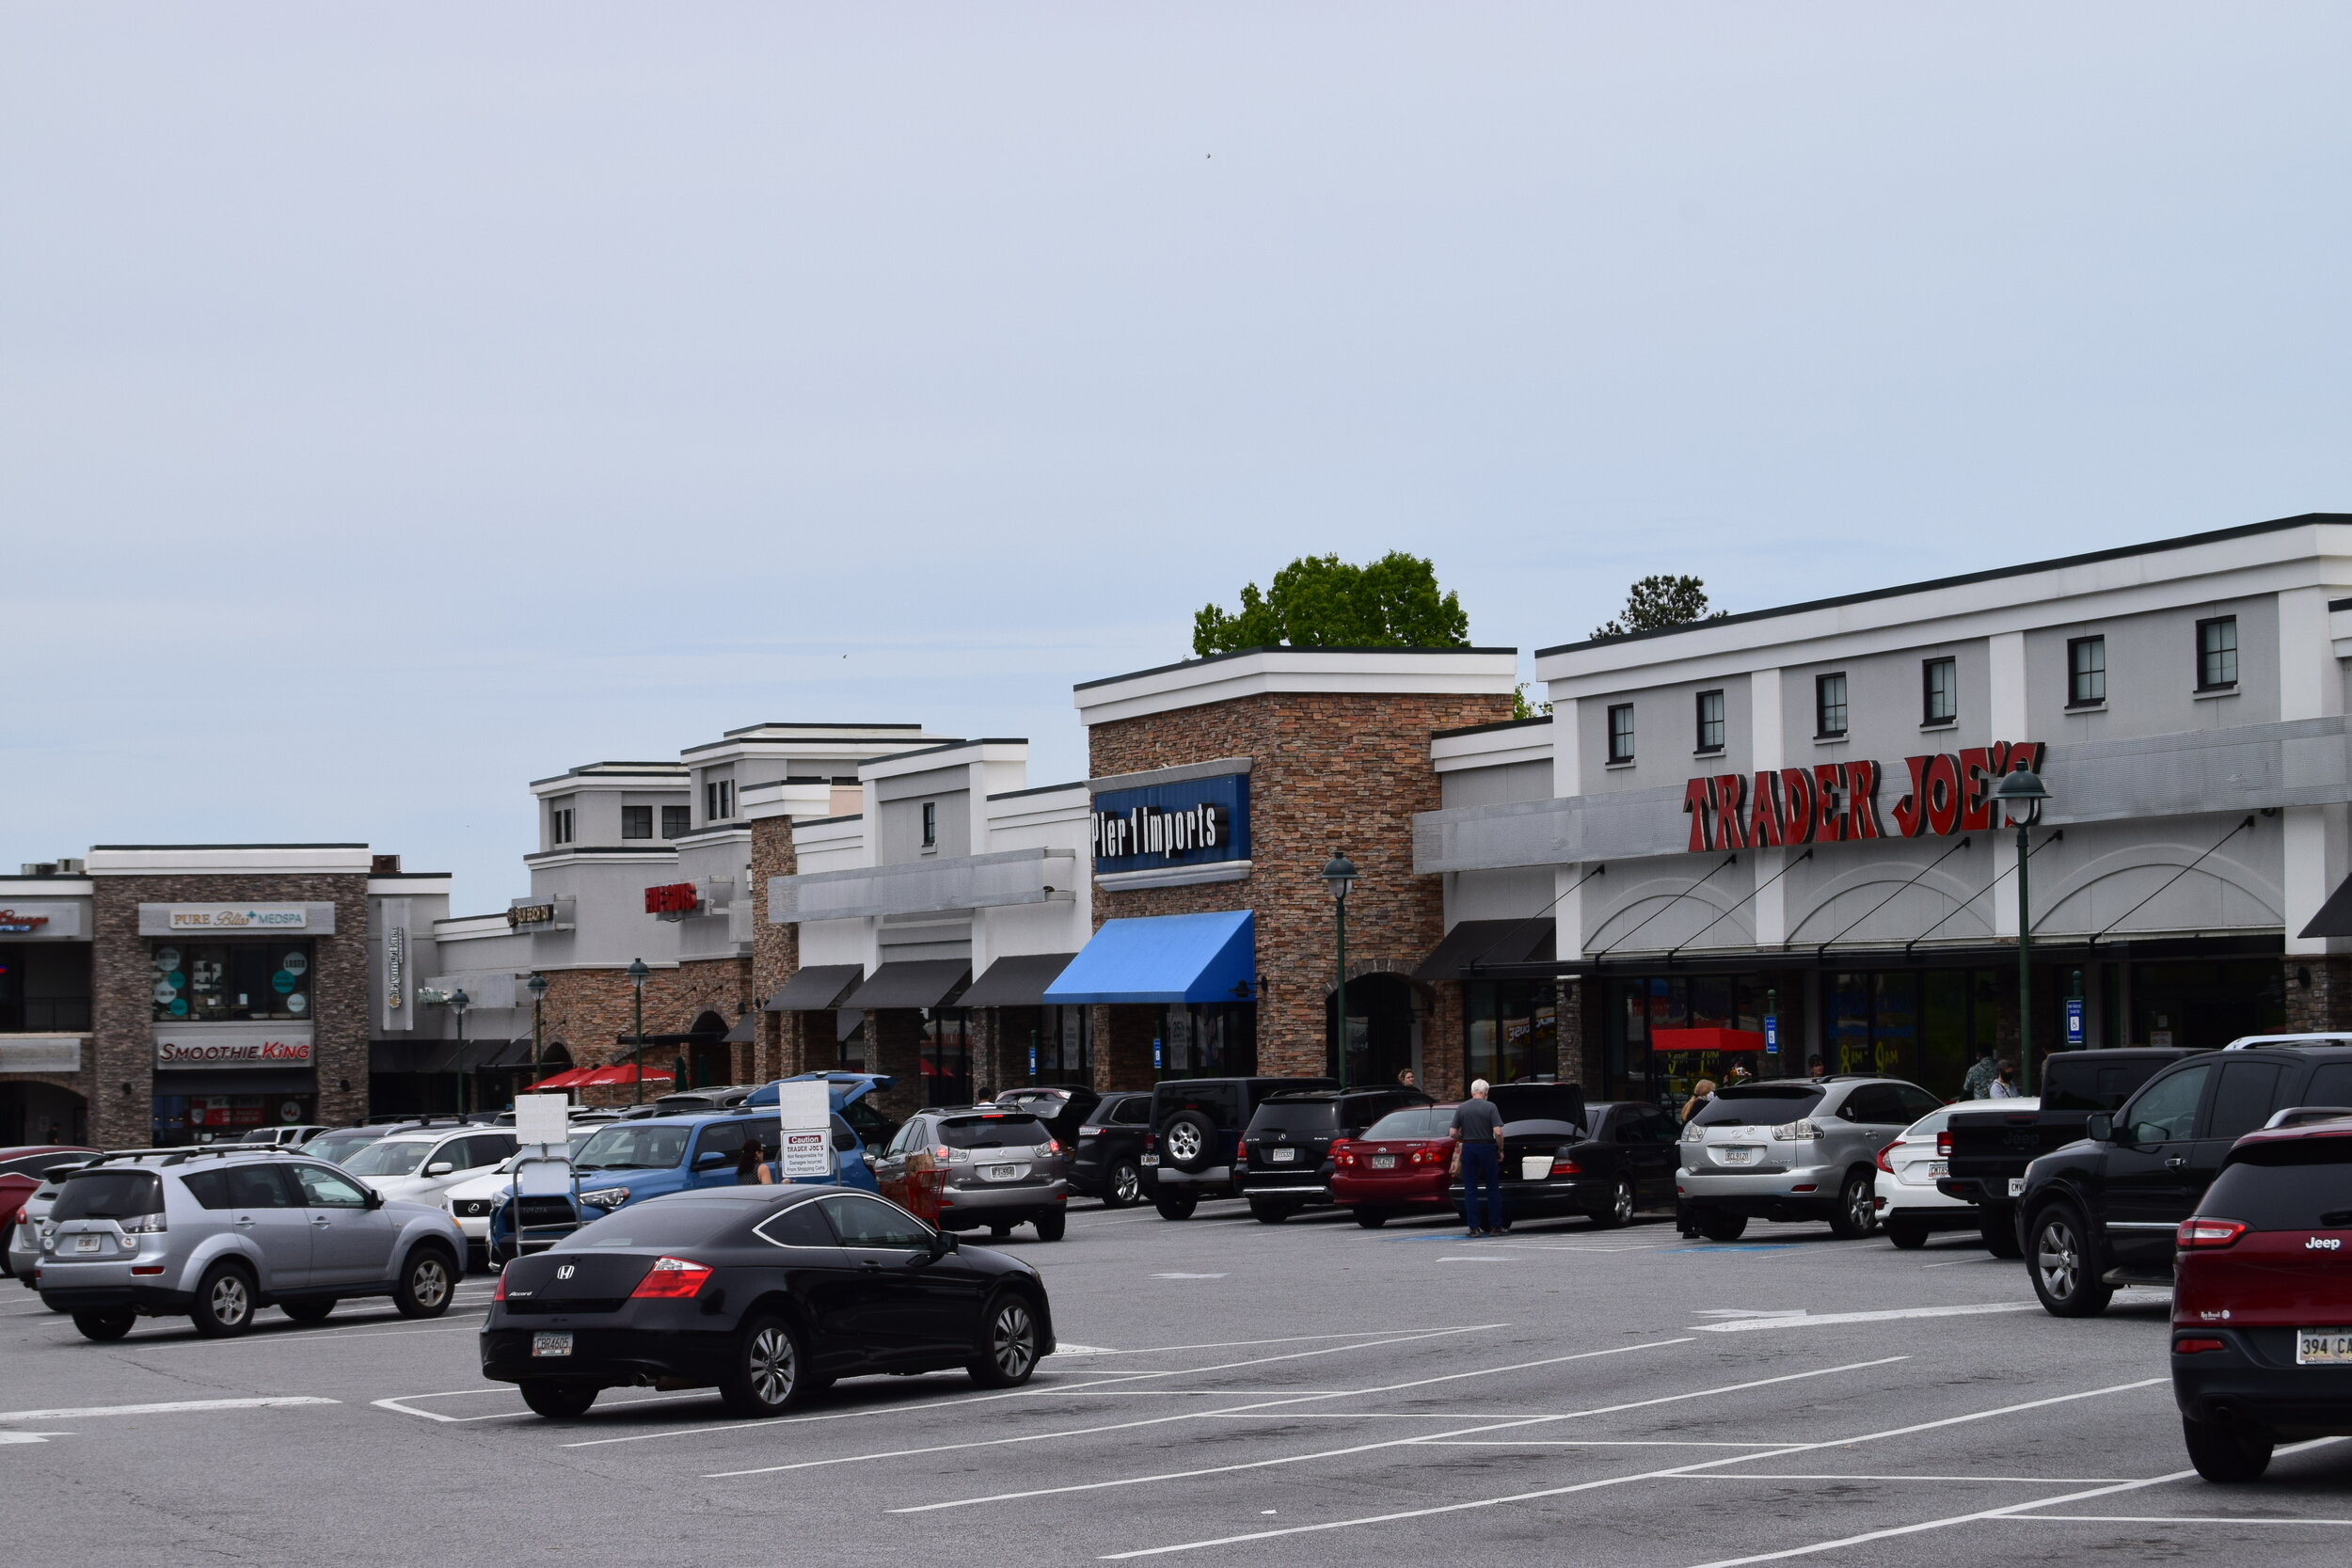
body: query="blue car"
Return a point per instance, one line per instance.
(852, 1097)
(628, 1161)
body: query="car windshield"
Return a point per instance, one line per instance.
(1935, 1121)
(1421, 1121)
(664, 1225)
(2301, 1185)
(1759, 1106)
(108, 1195)
(632, 1148)
(994, 1130)
(387, 1159)
(339, 1146)
(1311, 1115)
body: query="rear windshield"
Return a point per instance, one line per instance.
(629, 1148)
(108, 1195)
(1421, 1121)
(387, 1159)
(1018, 1130)
(1318, 1116)
(666, 1225)
(339, 1146)
(2073, 1081)
(1758, 1105)
(2302, 1186)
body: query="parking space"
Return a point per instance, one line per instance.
(1309, 1393)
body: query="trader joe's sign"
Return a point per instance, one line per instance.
(1831, 802)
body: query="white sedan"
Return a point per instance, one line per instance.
(1909, 1205)
(470, 1201)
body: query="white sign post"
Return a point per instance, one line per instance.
(543, 1119)
(804, 1144)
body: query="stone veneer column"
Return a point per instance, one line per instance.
(776, 956)
(1122, 1046)
(2326, 1004)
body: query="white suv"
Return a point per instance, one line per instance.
(421, 1165)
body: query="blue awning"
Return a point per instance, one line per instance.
(1167, 957)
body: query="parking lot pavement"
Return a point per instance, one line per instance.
(1229, 1392)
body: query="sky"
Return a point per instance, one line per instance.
(400, 404)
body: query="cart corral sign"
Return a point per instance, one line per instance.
(1834, 802)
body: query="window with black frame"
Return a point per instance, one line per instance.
(1511, 1029)
(1209, 1039)
(219, 981)
(1710, 721)
(2086, 672)
(1939, 691)
(1621, 733)
(1065, 1045)
(1829, 705)
(2217, 652)
(44, 986)
(946, 1058)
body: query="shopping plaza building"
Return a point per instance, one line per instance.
(1753, 840)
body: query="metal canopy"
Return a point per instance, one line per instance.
(816, 988)
(1487, 941)
(913, 983)
(1167, 957)
(1018, 981)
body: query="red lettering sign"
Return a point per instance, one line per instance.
(1834, 802)
(672, 898)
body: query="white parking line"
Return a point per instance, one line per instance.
(402, 1406)
(1389, 1443)
(1678, 1471)
(1252, 1344)
(2154, 1519)
(1152, 1420)
(174, 1407)
(1808, 1320)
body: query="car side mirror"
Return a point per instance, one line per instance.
(439, 1167)
(2098, 1127)
(844, 1141)
(712, 1160)
(869, 1159)
(375, 1199)
(944, 1243)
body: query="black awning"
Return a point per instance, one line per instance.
(913, 983)
(410, 1056)
(480, 1055)
(816, 988)
(746, 1031)
(1019, 981)
(2334, 918)
(1487, 942)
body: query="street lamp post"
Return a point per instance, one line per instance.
(638, 974)
(1338, 875)
(459, 1003)
(2023, 793)
(537, 986)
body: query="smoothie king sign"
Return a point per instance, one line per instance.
(1834, 802)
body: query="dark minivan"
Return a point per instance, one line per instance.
(1282, 1162)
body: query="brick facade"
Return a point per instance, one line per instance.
(122, 1077)
(591, 1014)
(786, 1040)
(1329, 771)
(2319, 994)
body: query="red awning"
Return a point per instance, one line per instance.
(1705, 1039)
(570, 1078)
(626, 1073)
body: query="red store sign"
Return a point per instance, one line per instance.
(1834, 802)
(14, 923)
(672, 898)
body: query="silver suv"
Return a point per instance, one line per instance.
(1793, 1148)
(220, 1232)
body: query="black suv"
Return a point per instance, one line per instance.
(1196, 1130)
(1106, 1159)
(2103, 1212)
(1283, 1162)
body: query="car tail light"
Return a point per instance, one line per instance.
(1797, 1131)
(1566, 1168)
(1885, 1152)
(143, 1225)
(1151, 1140)
(671, 1278)
(146, 1268)
(2196, 1347)
(500, 1293)
(1428, 1157)
(1943, 1146)
(2199, 1235)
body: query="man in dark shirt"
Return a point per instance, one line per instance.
(1478, 1154)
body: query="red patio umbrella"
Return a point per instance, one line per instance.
(570, 1078)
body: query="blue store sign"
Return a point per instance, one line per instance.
(1198, 822)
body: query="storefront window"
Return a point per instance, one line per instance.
(43, 986)
(1209, 1039)
(1633, 1068)
(1512, 1029)
(948, 1058)
(2206, 1005)
(1065, 1046)
(217, 981)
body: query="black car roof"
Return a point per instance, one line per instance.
(783, 1196)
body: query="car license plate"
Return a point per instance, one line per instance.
(86, 1243)
(2323, 1347)
(2016, 1186)
(1384, 1162)
(550, 1344)
(1535, 1167)
(1939, 1167)
(1737, 1156)
(1003, 1173)
(1282, 1156)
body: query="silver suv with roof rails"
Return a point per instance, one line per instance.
(219, 1232)
(1793, 1148)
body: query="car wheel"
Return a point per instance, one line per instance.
(1188, 1142)
(224, 1301)
(1372, 1219)
(106, 1326)
(1176, 1208)
(763, 1377)
(558, 1401)
(1857, 1212)
(1126, 1186)
(2231, 1455)
(2000, 1237)
(1269, 1214)
(1007, 1345)
(1907, 1235)
(1620, 1209)
(2063, 1266)
(1051, 1228)
(308, 1311)
(426, 1284)
(1720, 1227)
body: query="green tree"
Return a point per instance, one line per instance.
(1320, 601)
(1659, 601)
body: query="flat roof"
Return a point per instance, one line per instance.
(1275, 648)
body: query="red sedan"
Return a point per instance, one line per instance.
(1400, 1166)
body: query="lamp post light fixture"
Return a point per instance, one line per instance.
(537, 986)
(1338, 875)
(459, 1003)
(2022, 794)
(638, 975)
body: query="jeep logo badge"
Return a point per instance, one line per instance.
(564, 1273)
(2322, 1244)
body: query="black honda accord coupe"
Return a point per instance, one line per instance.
(768, 1293)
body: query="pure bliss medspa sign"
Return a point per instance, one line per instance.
(1831, 802)
(1196, 822)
